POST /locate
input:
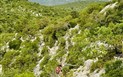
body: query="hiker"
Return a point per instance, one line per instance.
(58, 69)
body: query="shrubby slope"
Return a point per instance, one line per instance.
(34, 39)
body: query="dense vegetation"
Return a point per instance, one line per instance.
(29, 31)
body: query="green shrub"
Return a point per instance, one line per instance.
(69, 74)
(15, 44)
(44, 61)
(49, 40)
(44, 74)
(60, 53)
(114, 69)
(8, 58)
(44, 51)
(74, 32)
(25, 74)
(75, 58)
(30, 47)
(60, 33)
(74, 14)
(72, 24)
(25, 62)
(10, 72)
(62, 42)
(97, 65)
(50, 66)
(65, 70)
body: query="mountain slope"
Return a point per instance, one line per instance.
(57, 2)
(35, 39)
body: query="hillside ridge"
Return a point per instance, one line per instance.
(36, 39)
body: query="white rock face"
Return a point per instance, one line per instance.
(88, 64)
(22, 39)
(52, 51)
(40, 48)
(84, 71)
(96, 73)
(64, 58)
(42, 43)
(69, 35)
(37, 70)
(110, 6)
(33, 39)
(5, 47)
(0, 69)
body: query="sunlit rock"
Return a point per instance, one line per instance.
(52, 51)
(0, 69)
(37, 70)
(110, 6)
(84, 71)
(97, 73)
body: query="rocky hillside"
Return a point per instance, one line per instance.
(35, 39)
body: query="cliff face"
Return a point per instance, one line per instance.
(35, 39)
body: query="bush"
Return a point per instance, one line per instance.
(48, 39)
(75, 58)
(60, 33)
(10, 72)
(44, 74)
(8, 58)
(15, 44)
(114, 69)
(25, 74)
(44, 51)
(97, 65)
(65, 70)
(60, 53)
(44, 61)
(62, 42)
(72, 24)
(74, 14)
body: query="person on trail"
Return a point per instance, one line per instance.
(58, 69)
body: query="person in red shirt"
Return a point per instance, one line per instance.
(58, 69)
